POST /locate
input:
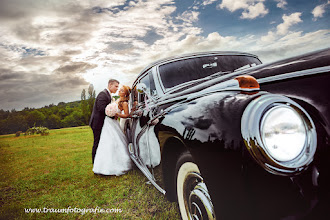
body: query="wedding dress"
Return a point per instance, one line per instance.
(122, 123)
(112, 157)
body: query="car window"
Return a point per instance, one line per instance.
(144, 80)
(182, 71)
(148, 80)
(153, 90)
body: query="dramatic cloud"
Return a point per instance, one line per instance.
(281, 46)
(86, 41)
(36, 90)
(51, 50)
(251, 8)
(319, 10)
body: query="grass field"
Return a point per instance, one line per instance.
(55, 172)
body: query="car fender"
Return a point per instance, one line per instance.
(209, 128)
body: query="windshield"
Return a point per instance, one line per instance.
(183, 71)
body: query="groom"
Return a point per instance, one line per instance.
(98, 114)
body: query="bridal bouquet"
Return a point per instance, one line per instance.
(111, 109)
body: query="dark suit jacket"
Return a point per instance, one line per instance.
(98, 114)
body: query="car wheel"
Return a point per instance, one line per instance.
(192, 194)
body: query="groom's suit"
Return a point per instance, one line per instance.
(97, 117)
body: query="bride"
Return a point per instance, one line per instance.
(112, 157)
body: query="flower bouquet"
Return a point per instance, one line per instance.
(111, 109)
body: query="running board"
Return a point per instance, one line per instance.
(147, 174)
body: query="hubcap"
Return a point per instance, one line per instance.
(196, 198)
(200, 205)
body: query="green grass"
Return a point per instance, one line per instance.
(55, 172)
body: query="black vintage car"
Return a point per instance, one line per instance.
(231, 138)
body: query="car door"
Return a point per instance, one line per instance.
(145, 148)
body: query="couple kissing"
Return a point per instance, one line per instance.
(110, 153)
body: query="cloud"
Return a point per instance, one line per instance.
(20, 90)
(51, 50)
(283, 28)
(208, 2)
(254, 11)
(277, 47)
(130, 36)
(193, 43)
(270, 37)
(251, 8)
(281, 3)
(74, 68)
(319, 10)
(291, 44)
(189, 16)
(70, 42)
(288, 21)
(233, 5)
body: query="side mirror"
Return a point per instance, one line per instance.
(141, 88)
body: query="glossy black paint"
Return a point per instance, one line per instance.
(204, 118)
(216, 145)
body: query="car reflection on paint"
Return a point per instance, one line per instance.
(230, 138)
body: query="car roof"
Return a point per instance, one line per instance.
(192, 55)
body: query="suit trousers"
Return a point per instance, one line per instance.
(97, 134)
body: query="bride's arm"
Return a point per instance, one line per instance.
(126, 111)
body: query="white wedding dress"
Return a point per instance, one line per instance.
(112, 157)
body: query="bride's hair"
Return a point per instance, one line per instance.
(127, 91)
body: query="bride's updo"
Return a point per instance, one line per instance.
(127, 91)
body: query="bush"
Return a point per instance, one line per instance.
(37, 130)
(18, 133)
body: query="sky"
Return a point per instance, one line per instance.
(50, 50)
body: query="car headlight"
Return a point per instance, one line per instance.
(283, 133)
(279, 134)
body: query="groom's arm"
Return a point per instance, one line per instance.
(101, 102)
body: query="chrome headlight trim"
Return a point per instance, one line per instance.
(251, 125)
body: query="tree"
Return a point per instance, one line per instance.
(36, 118)
(84, 106)
(3, 128)
(61, 104)
(62, 113)
(15, 123)
(91, 99)
(4, 114)
(51, 116)
(73, 120)
(83, 94)
(54, 121)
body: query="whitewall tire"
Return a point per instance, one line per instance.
(192, 194)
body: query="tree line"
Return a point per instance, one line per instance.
(71, 114)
